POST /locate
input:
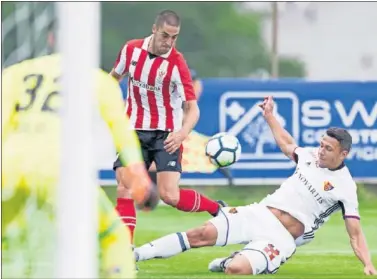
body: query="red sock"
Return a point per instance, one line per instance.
(127, 212)
(192, 201)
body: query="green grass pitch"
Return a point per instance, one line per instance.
(328, 256)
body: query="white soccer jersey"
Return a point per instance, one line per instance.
(312, 193)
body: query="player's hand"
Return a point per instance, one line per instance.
(267, 106)
(141, 187)
(370, 270)
(174, 141)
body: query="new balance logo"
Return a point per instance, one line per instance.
(171, 164)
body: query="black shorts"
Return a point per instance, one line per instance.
(152, 146)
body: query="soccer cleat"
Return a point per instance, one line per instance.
(217, 265)
(221, 205)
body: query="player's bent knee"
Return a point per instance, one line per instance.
(205, 235)
(240, 265)
(167, 183)
(170, 197)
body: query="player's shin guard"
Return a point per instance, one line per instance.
(127, 213)
(164, 247)
(192, 201)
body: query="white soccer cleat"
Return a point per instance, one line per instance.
(217, 265)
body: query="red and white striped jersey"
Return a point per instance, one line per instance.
(157, 86)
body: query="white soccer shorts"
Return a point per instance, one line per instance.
(269, 244)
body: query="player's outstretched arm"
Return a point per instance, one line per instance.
(285, 141)
(359, 244)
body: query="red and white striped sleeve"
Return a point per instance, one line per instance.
(122, 62)
(182, 77)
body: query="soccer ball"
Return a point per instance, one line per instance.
(223, 150)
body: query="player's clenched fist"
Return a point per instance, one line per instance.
(141, 187)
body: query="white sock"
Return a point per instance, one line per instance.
(164, 247)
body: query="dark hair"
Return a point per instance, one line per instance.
(342, 136)
(169, 17)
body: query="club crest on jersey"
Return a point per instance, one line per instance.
(233, 210)
(160, 76)
(327, 186)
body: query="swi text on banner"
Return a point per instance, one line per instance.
(305, 109)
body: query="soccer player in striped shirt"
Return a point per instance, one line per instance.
(159, 81)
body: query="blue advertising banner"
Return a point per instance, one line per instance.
(305, 109)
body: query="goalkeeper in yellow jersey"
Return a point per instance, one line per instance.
(31, 162)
